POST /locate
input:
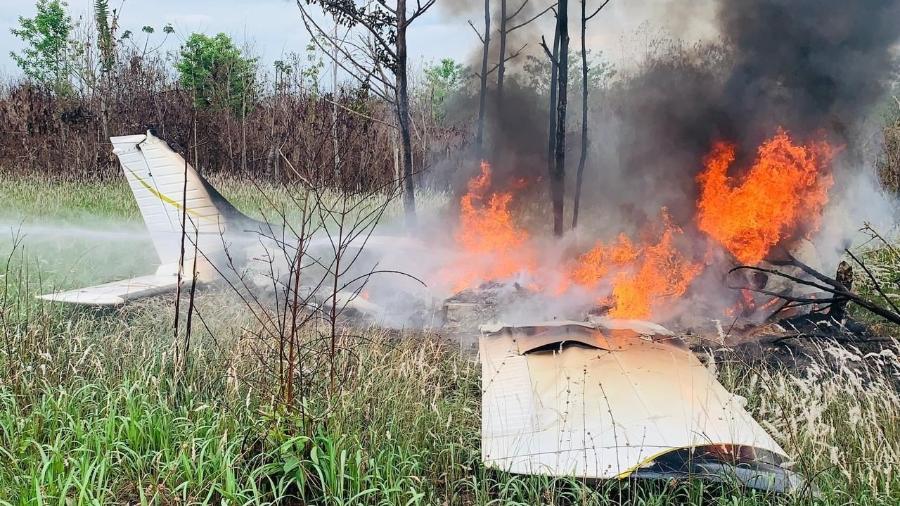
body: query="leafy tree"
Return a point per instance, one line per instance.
(442, 80)
(312, 72)
(217, 73)
(537, 72)
(46, 57)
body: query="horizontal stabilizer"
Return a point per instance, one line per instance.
(117, 292)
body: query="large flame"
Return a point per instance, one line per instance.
(777, 198)
(493, 247)
(785, 185)
(642, 278)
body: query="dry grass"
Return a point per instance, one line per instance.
(91, 413)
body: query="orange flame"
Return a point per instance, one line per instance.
(785, 183)
(643, 278)
(638, 278)
(493, 246)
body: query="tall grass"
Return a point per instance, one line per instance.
(35, 197)
(91, 413)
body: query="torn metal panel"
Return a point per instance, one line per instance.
(569, 399)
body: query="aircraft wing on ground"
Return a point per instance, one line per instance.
(117, 293)
(565, 399)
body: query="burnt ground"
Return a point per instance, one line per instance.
(793, 344)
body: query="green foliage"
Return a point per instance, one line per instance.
(379, 19)
(104, 34)
(537, 73)
(46, 57)
(442, 80)
(217, 72)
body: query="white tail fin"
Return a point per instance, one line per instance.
(178, 206)
(186, 218)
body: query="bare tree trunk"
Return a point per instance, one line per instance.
(104, 107)
(551, 128)
(486, 46)
(584, 116)
(501, 63)
(244, 130)
(395, 150)
(272, 155)
(409, 196)
(558, 176)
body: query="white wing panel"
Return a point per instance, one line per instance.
(117, 292)
(599, 412)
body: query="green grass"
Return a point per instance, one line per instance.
(32, 198)
(93, 409)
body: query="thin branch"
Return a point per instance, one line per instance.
(516, 13)
(480, 37)
(510, 57)
(874, 281)
(365, 23)
(357, 113)
(367, 71)
(837, 290)
(868, 227)
(520, 25)
(547, 51)
(596, 11)
(420, 9)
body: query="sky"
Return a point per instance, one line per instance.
(273, 28)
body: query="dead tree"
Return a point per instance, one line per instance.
(500, 66)
(482, 94)
(503, 33)
(558, 174)
(585, 140)
(381, 51)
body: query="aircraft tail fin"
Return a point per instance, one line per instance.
(179, 207)
(186, 217)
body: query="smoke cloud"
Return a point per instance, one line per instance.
(814, 68)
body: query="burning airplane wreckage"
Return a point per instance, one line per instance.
(723, 184)
(607, 396)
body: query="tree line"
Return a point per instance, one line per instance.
(383, 122)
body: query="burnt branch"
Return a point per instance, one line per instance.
(874, 281)
(547, 51)
(477, 33)
(517, 11)
(511, 56)
(839, 293)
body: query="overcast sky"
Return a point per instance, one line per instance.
(273, 27)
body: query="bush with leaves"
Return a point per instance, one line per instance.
(442, 80)
(217, 73)
(46, 57)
